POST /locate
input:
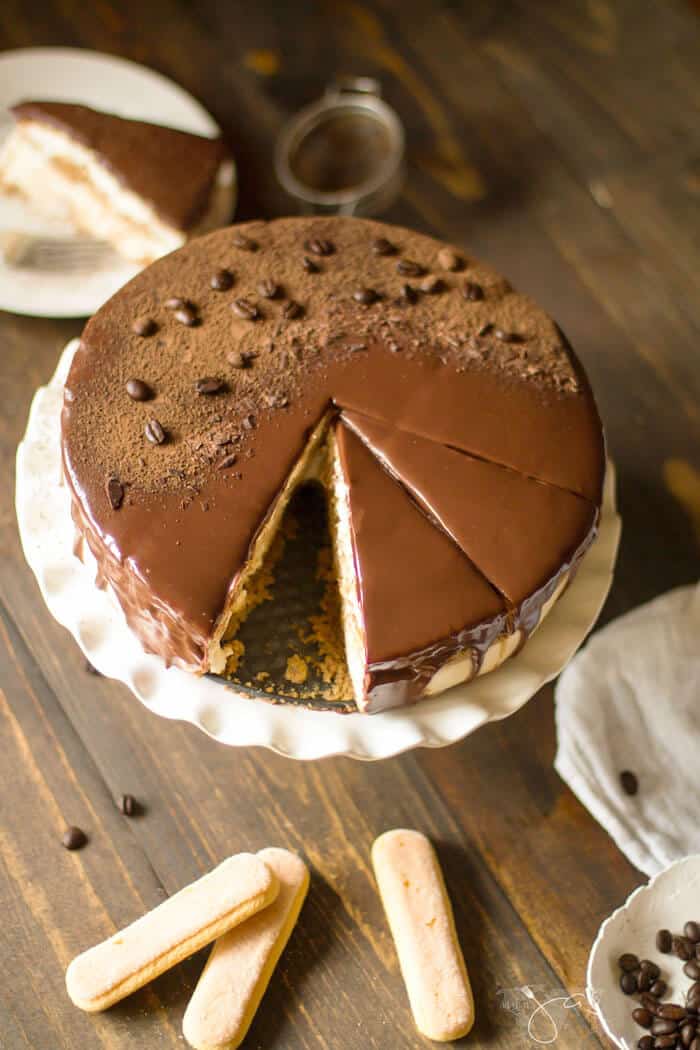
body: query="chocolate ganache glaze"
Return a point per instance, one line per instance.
(454, 400)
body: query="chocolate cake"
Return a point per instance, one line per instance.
(446, 415)
(143, 187)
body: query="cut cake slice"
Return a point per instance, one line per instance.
(142, 187)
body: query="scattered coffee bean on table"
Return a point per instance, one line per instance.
(129, 806)
(629, 782)
(74, 838)
(664, 941)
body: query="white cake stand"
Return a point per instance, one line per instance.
(96, 621)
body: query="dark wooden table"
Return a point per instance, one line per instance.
(560, 141)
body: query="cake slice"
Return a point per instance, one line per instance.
(525, 535)
(142, 187)
(410, 596)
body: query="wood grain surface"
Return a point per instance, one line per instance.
(559, 140)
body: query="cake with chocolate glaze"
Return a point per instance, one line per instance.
(446, 415)
(143, 187)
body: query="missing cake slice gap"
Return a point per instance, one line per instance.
(280, 636)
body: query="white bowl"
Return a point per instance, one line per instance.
(667, 902)
(97, 623)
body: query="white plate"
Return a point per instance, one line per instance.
(667, 902)
(97, 623)
(104, 82)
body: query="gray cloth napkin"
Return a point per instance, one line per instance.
(630, 700)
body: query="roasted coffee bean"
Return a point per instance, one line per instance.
(432, 285)
(115, 492)
(687, 1034)
(643, 1017)
(664, 941)
(74, 838)
(365, 296)
(245, 309)
(228, 461)
(176, 302)
(629, 782)
(208, 385)
(472, 291)
(187, 315)
(692, 970)
(644, 981)
(319, 246)
(505, 336)
(649, 1002)
(310, 266)
(154, 432)
(128, 805)
(409, 268)
(221, 280)
(664, 1042)
(449, 260)
(691, 930)
(672, 1012)
(694, 991)
(664, 1026)
(683, 949)
(646, 1043)
(381, 246)
(292, 310)
(144, 326)
(651, 968)
(628, 983)
(138, 390)
(658, 989)
(244, 243)
(268, 289)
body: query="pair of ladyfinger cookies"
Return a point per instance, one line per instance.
(248, 904)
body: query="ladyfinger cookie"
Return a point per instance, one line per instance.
(241, 962)
(420, 918)
(180, 926)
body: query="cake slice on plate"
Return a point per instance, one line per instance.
(142, 187)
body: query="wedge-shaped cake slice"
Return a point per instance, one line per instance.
(524, 535)
(411, 597)
(142, 187)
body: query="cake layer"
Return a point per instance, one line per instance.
(422, 600)
(248, 337)
(521, 533)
